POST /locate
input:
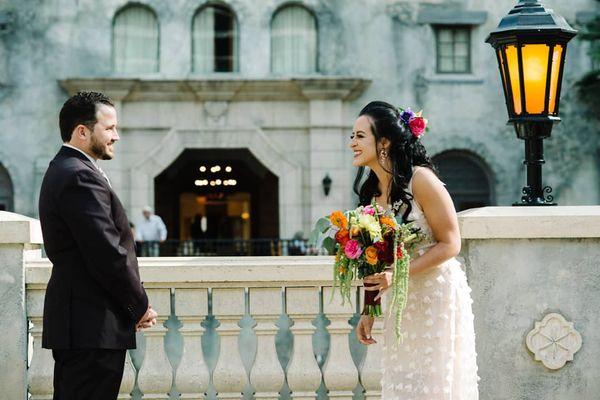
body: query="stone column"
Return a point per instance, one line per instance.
(229, 376)
(303, 373)
(340, 373)
(266, 376)
(20, 241)
(155, 376)
(192, 376)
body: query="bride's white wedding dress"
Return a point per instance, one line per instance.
(437, 359)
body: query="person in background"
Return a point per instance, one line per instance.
(196, 233)
(150, 231)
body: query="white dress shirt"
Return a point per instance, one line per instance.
(152, 229)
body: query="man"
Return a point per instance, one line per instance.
(94, 300)
(150, 231)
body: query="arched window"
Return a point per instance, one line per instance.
(6, 190)
(215, 40)
(293, 41)
(467, 178)
(135, 40)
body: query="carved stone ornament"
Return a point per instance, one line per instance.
(216, 112)
(554, 341)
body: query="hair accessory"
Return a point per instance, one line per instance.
(416, 124)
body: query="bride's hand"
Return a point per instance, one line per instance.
(381, 280)
(363, 330)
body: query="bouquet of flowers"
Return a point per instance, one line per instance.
(365, 241)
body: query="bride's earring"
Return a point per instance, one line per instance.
(382, 156)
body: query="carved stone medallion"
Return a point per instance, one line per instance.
(554, 341)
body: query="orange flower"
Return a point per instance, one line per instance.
(337, 257)
(371, 255)
(338, 219)
(387, 221)
(342, 237)
(342, 270)
(354, 231)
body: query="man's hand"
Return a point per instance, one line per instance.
(148, 320)
(363, 329)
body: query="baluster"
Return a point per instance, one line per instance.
(340, 373)
(41, 370)
(128, 379)
(229, 376)
(371, 373)
(304, 376)
(192, 375)
(156, 375)
(267, 376)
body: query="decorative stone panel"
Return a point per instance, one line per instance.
(554, 341)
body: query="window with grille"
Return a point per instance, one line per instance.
(293, 41)
(467, 178)
(453, 49)
(135, 40)
(215, 40)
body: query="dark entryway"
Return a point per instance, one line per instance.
(218, 194)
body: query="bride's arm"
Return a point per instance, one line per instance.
(432, 196)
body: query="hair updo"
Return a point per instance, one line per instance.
(405, 152)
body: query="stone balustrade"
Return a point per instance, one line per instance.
(236, 327)
(270, 327)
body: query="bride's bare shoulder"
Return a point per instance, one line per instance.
(425, 182)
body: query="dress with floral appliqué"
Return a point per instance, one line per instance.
(437, 358)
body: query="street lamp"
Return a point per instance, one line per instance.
(530, 44)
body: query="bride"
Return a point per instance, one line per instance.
(436, 359)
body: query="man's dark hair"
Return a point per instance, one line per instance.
(80, 109)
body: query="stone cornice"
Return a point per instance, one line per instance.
(213, 89)
(565, 222)
(19, 229)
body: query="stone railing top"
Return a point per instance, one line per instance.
(16, 228)
(217, 271)
(530, 222)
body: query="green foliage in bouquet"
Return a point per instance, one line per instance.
(365, 241)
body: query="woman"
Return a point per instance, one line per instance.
(436, 359)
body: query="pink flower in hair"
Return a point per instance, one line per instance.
(417, 126)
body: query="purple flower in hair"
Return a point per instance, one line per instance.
(406, 115)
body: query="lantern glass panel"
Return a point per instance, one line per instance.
(502, 66)
(557, 56)
(535, 74)
(512, 58)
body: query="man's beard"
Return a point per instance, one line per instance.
(99, 150)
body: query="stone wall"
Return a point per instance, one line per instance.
(524, 263)
(384, 42)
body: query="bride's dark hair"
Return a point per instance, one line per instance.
(405, 152)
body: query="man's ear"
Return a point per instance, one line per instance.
(80, 131)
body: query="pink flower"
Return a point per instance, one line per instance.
(417, 126)
(352, 249)
(369, 210)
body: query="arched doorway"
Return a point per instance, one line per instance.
(224, 195)
(467, 178)
(6, 190)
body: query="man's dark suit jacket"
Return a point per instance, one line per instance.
(94, 297)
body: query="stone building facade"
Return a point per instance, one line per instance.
(270, 89)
